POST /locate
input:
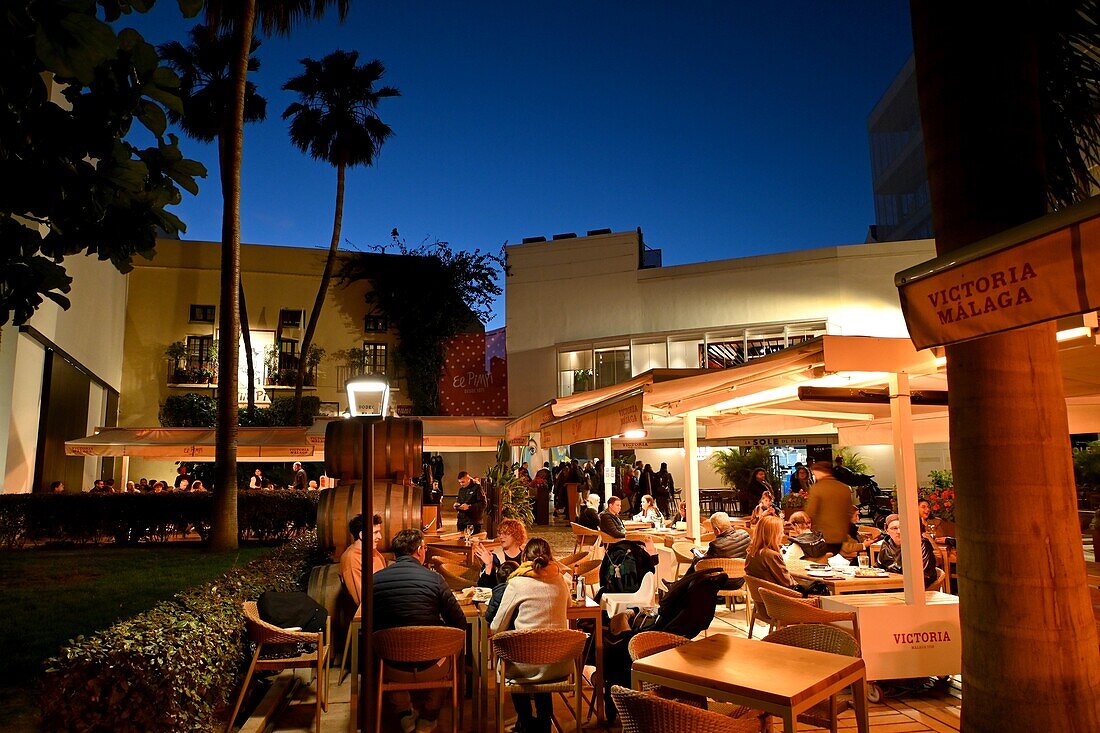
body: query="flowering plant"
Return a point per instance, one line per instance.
(940, 495)
(794, 501)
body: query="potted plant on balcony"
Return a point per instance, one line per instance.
(313, 359)
(271, 365)
(176, 352)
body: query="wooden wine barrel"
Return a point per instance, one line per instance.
(398, 444)
(398, 503)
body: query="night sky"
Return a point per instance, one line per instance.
(722, 129)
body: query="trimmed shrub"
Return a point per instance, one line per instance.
(131, 518)
(174, 667)
(189, 410)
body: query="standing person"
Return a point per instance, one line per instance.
(800, 480)
(301, 480)
(57, 487)
(758, 484)
(610, 522)
(664, 489)
(765, 560)
(830, 506)
(536, 597)
(351, 562)
(647, 480)
(513, 538)
(256, 481)
(182, 474)
(470, 504)
(408, 594)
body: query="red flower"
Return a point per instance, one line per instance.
(936, 506)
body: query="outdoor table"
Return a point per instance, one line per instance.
(781, 680)
(478, 657)
(799, 570)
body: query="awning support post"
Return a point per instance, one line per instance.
(607, 485)
(125, 472)
(691, 473)
(905, 462)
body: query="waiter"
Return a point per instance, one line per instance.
(470, 504)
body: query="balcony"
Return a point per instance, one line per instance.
(192, 374)
(283, 373)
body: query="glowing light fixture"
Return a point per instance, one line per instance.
(634, 434)
(1073, 333)
(368, 395)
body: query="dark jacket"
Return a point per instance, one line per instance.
(589, 517)
(301, 481)
(756, 489)
(730, 544)
(494, 602)
(889, 558)
(612, 525)
(408, 594)
(471, 495)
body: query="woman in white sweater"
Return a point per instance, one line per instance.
(536, 597)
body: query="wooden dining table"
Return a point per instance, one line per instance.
(780, 680)
(800, 571)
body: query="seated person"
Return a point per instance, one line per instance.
(610, 523)
(765, 561)
(728, 542)
(504, 572)
(649, 512)
(805, 541)
(513, 538)
(764, 509)
(680, 515)
(408, 594)
(890, 555)
(589, 515)
(351, 562)
(924, 507)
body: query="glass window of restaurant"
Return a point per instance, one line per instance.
(574, 372)
(646, 355)
(685, 352)
(612, 366)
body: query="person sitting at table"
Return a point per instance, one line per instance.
(590, 514)
(890, 555)
(805, 540)
(197, 486)
(351, 562)
(408, 594)
(680, 515)
(764, 558)
(536, 597)
(649, 512)
(503, 573)
(610, 522)
(728, 541)
(513, 538)
(924, 509)
(764, 509)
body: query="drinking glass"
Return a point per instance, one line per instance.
(468, 532)
(864, 561)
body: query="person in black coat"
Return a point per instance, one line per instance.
(610, 523)
(758, 484)
(408, 594)
(589, 515)
(470, 504)
(663, 489)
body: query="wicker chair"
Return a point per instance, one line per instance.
(418, 644)
(584, 537)
(263, 633)
(570, 561)
(682, 551)
(759, 611)
(458, 577)
(788, 611)
(642, 713)
(822, 638)
(733, 568)
(455, 558)
(939, 583)
(540, 646)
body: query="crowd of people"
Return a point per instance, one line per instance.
(186, 482)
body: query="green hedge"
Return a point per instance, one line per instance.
(131, 518)
(174, 667)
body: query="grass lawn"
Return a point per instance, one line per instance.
(52, 595)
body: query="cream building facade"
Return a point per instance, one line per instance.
(585, 312)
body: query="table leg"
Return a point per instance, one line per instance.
(597, 677)
(859, 701)
(790, 721)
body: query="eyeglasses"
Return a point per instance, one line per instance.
(893, 528)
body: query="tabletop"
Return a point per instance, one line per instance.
(799, 570)
(774, 673)
(867, 600)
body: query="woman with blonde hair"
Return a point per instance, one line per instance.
(536, 597)
(765, 561)
(513, 538)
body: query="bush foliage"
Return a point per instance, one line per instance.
(132, 518)
(174, 667)
(193, 410)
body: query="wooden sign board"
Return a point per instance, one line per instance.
(1041, 271)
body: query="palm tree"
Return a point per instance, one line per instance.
(1003, 139)
(335, 120)
(206, 92)
(275, 17)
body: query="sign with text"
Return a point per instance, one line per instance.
(474, 379)
(1042, 271)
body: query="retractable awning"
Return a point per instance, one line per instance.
(195, 444)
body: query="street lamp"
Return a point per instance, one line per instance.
(368, 396)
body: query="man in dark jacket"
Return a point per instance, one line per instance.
(470, 504)
(610, 523)
(728, 541)
(408, 594)
(301, 480)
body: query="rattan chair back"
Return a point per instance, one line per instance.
(682, 551)
(939, 583)
(787, 611)
(410, 644)
(819, 637)
(458, 577)
(456, 558)
(651, 642)
(262, 632)
(642, 713)
(732, 567)
(538, 646)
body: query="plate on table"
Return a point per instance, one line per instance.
(821, 574)
(818, 566)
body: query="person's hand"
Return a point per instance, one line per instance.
(463, 507)
(649, 547)
(482, 553)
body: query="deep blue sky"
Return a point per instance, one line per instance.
(723, 129)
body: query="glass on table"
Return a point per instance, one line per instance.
(864, 560)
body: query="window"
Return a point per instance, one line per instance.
(290, 318)
(574, 372)
(374, 358)
(612, 366)
(199, 350)
(375, 324)
(202, 313)
(288, 354)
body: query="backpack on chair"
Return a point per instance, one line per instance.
(619, 573)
